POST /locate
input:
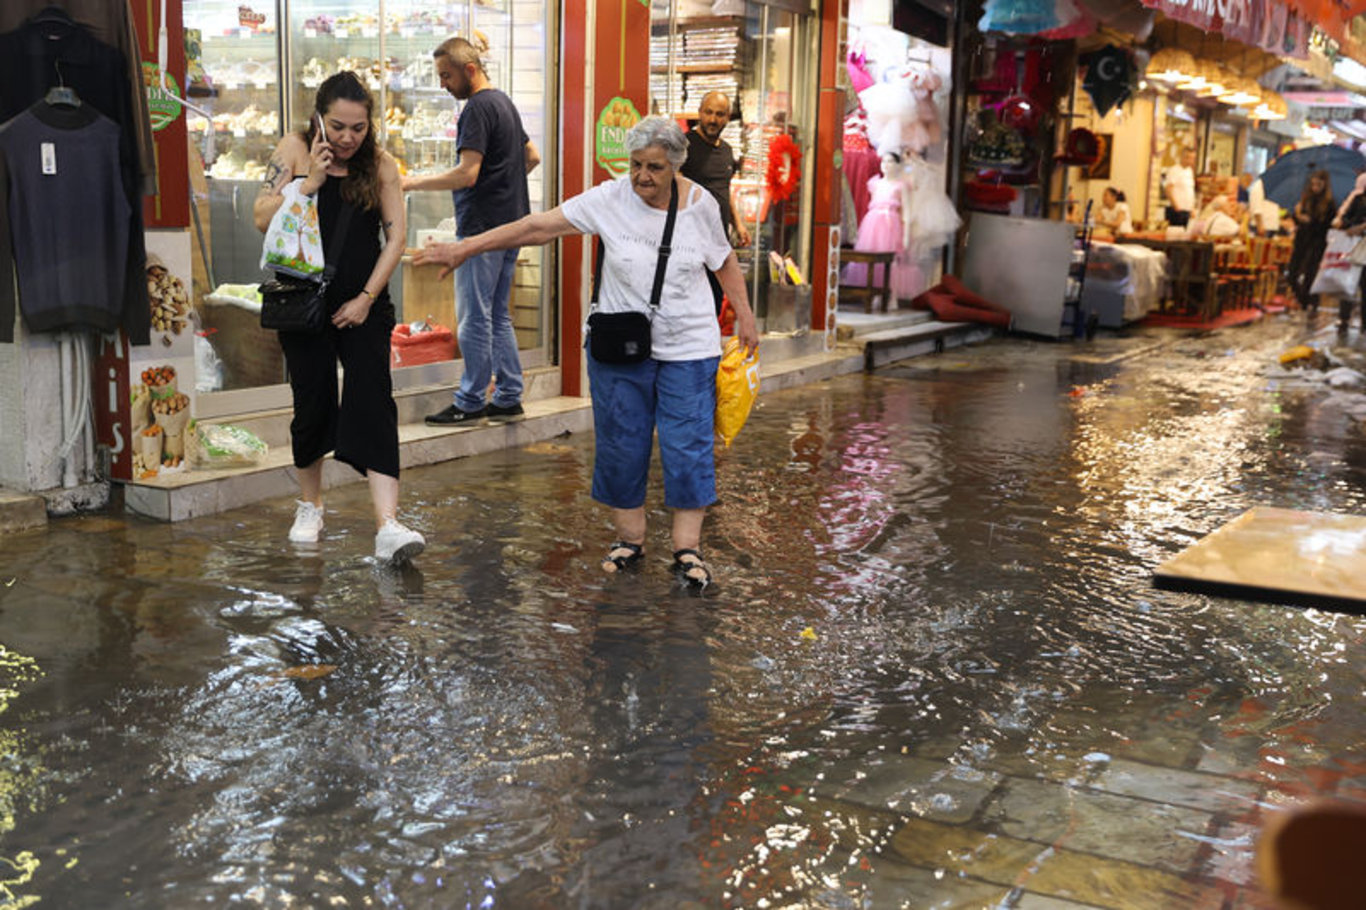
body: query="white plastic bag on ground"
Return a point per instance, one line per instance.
(221, 445)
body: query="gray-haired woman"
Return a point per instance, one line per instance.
(674, 390)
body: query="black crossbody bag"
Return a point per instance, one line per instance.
(290, 304)
(625, 337)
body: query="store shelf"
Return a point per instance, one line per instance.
(694, 68)
(695, 22)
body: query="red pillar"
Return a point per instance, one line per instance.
(620, 64)
(825, 239)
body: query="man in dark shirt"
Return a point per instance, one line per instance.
(711, 164)
(711, 161)
(489, 189)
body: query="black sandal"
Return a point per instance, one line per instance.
(686, 571)
(618, 562)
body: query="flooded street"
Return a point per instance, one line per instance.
(933, 671)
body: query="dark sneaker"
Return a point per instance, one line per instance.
(453, 416)
(496, 412)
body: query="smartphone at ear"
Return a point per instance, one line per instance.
(322, 129)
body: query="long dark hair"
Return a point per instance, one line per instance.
(360, 186)
(1318, 206)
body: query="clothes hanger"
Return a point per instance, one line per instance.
(60, 95)
(52, 15)
(58, 21)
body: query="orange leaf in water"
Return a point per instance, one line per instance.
(309, 671)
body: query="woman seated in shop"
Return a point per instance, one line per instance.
(1114, 216)
(1221, 220)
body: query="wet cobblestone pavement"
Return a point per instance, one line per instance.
(933, 672)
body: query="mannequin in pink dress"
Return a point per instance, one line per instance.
(887, 229)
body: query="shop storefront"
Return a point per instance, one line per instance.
(895, 146)
(253, 72)
(241, 74)
(759, 56)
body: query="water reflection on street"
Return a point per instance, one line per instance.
(934, 671)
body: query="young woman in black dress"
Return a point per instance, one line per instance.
(343, 167)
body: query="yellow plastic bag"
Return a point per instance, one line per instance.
(737, 385)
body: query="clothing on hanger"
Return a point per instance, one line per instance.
(50, 49)
(110, 22)
(66, 173)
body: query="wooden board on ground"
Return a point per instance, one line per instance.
(1307, 559)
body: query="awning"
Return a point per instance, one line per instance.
(1327, 98)
(1275, 26)
(1353, 129)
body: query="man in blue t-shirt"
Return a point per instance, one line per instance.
(489, 188)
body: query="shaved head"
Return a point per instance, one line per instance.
(712, 116)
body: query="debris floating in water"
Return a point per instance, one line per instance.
(308, 671)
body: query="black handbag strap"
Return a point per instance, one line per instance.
(664, 248)
(334, 249)
(660, 265)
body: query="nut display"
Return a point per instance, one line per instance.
(169, 302)
(173, 405)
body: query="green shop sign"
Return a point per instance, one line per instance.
(162, 107)
(610, 137)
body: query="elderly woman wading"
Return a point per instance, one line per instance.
(674, 389)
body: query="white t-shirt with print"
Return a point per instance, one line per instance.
(685, 327)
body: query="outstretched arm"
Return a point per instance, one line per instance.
(533, 230)
(457, 178)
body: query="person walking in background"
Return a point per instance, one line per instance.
(1178, 185)
(1351, 217)
(1313, 216)
(673, 391)
(489, 187)
(343, 167)
(711, 163)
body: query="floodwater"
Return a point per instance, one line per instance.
(933, 671)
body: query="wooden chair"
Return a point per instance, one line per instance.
(1234, 278)
(874, 287)
(1266, 273)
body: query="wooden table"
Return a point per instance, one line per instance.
(1190, 273)
(870, 289)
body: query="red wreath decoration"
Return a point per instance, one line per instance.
(784, 168)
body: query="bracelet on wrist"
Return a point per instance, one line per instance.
(367, 293)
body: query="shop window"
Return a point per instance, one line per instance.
(256, 72)
(763, 58)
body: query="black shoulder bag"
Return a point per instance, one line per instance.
(290, 304)
(625, 337)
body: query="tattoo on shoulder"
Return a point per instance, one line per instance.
(277, 174)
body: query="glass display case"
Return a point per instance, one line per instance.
(256, 70)
(747, 50)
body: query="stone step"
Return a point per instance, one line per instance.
(21, 511)
(786, 362)
(928, 337)
(855, 325)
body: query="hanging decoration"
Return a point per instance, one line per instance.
(1032, 17)
(1109, 77)
(784, 168)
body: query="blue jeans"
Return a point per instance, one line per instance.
(488, 344)
(631, 401)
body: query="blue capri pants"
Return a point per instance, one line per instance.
(633, 400)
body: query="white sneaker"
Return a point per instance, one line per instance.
(396, 544)
(308, 523)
